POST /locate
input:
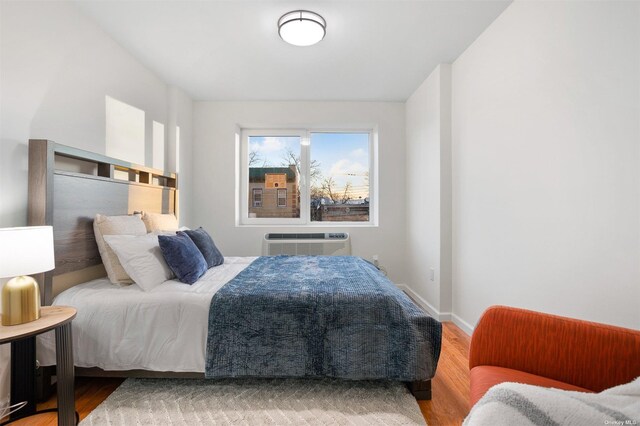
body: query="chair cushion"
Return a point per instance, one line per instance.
(591, 355)
(483, 377)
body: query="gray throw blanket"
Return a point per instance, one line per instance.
(510, 404)
(313, 316)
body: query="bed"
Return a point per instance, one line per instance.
(162, 330)
(287, 320)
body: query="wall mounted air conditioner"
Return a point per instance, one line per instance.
(307, 244)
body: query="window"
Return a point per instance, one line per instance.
(306, 177)
(282, 198)
(257, 197)
(339, 170)
(273, 165)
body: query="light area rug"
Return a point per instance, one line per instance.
(257, 402)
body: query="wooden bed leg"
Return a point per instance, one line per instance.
(421, 390)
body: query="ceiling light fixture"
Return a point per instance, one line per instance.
(302, 27)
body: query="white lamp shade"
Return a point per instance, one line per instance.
(26, 251)
(302, 27)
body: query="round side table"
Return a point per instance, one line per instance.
(23, 362)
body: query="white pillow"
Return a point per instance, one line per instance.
(142, 258)
(159, 222)
(115, 225)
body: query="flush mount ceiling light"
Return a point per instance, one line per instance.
(302, 27)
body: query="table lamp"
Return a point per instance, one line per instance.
(23, 251)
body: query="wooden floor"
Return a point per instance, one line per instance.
(449, 406)
(450, 387)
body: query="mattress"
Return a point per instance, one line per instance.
(126, 328)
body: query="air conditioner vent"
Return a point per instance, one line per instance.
(295, 236)
(308, 236)
(307, 244)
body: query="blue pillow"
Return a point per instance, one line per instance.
(183, 257)
(206, 246)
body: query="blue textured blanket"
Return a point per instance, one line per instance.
(309, 316)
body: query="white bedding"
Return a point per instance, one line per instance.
(126, 328)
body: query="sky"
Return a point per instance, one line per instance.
(340, 155)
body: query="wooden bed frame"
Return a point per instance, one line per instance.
(67, 188)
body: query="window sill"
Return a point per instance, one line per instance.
(308, 226)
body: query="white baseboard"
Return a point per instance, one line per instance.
(431, 310)
(465, 326)
(440, 316)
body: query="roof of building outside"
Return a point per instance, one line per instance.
(257, 173)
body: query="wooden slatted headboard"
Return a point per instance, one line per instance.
(68, 187)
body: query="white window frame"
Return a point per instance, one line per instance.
(242, 214)
(278, 191)
(255, 191)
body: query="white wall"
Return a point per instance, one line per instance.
(56, 70)
(546, 163)
(179, 147)
(214, 168)
(428, 183)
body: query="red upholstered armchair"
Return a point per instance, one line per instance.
(516, 345)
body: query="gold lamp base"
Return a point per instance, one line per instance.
(20, 301)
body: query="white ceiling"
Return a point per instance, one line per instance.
(230, 50)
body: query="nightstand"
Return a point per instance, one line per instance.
(23, 362)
